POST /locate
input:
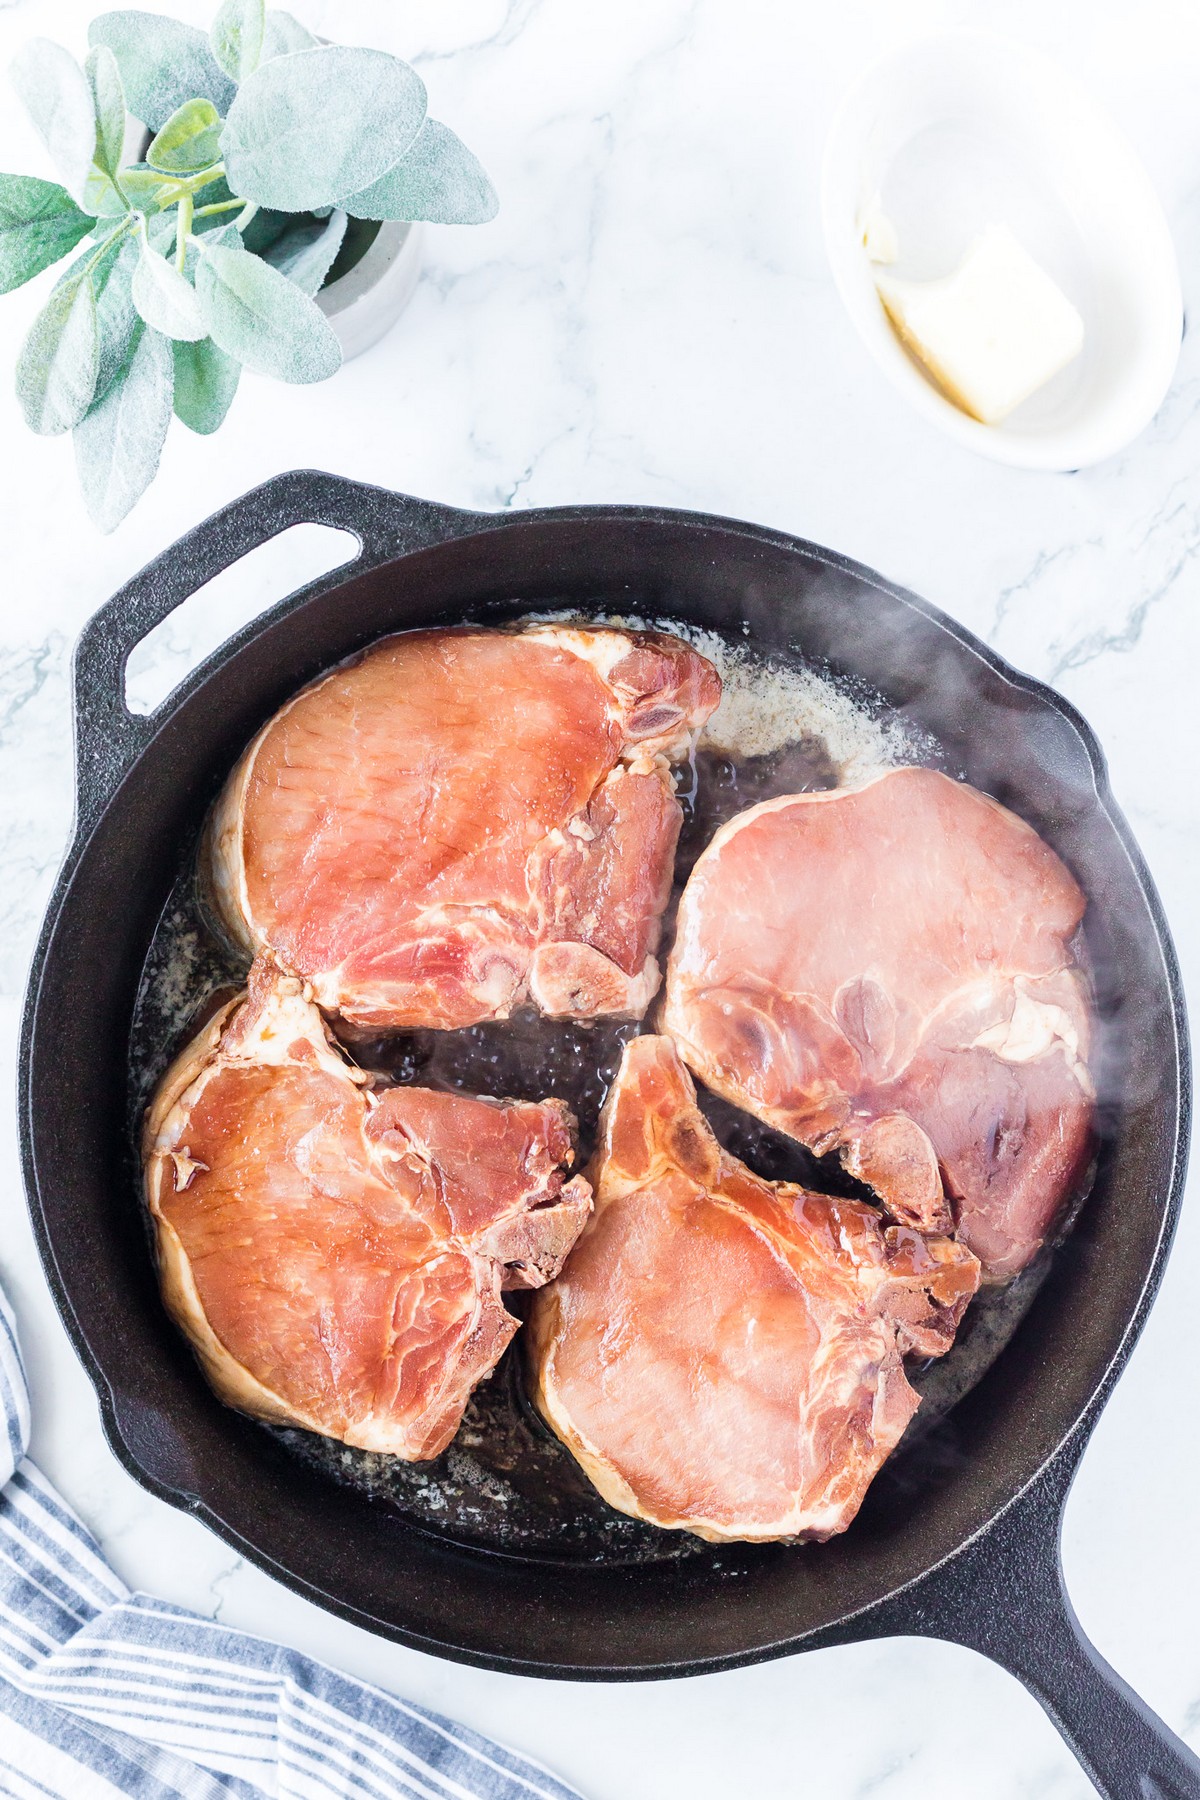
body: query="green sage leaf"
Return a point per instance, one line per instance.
(58, 99)
(205, 383)
(117, 321)
(165, 298)
(108, 104)
(437, 179)
(305, 253)
(56, 370)
(189, 141)
(237, 37)
(160, 229)
(266, 227)
(39, 223)
(142, 186)
(283, 34)
(119, 443)
(162, 64)
(258, 316)
(309, 128)
(226, 234)
(101, 193)
(102, 196)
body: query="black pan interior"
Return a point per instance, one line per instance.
(573, 1601)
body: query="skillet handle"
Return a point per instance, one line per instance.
(108, 737)
(1004, 1595)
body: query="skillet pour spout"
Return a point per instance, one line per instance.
(958, 1537)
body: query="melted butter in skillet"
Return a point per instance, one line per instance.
(505, 1482)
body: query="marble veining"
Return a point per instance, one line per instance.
(651, 319)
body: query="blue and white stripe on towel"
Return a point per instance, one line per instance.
(105, 1693)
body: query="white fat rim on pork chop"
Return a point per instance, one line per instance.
(165, 1127)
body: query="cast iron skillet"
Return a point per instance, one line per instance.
(959, 1539)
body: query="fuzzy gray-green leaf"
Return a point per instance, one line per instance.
(142, 186)
(205, 383)
(108, 104)
(117, 321)
(258, 316)
(305, 253)
(165, 298)
(237, 37)
(111, 267)
(58, 98)
(307, 129)
(102, 196)
(119, 443)
(162, 64)
(437, 179)
(226, 235)
(189, 141)
(56, 370)
(264, 228)
(39, 222)
(283, 34)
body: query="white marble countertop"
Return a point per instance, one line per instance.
(651, 318)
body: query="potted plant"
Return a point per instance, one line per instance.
(267, 164)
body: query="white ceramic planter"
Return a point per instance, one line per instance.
(369, 298)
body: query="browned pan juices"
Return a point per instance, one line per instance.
(506, 1483)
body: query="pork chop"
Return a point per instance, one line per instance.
(460, 821)
(722, 1354)
(337, 1256)
(887, 971)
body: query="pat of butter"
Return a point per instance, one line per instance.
(991, 333)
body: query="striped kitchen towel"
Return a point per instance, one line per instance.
(105, 1693)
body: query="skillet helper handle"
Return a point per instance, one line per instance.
(108, 737)
(1005, 1596)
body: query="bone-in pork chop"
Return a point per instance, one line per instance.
(459, 821)
(887, 971)
(337, 1256)
(724, 1354)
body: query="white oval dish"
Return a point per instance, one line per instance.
(966, 129)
